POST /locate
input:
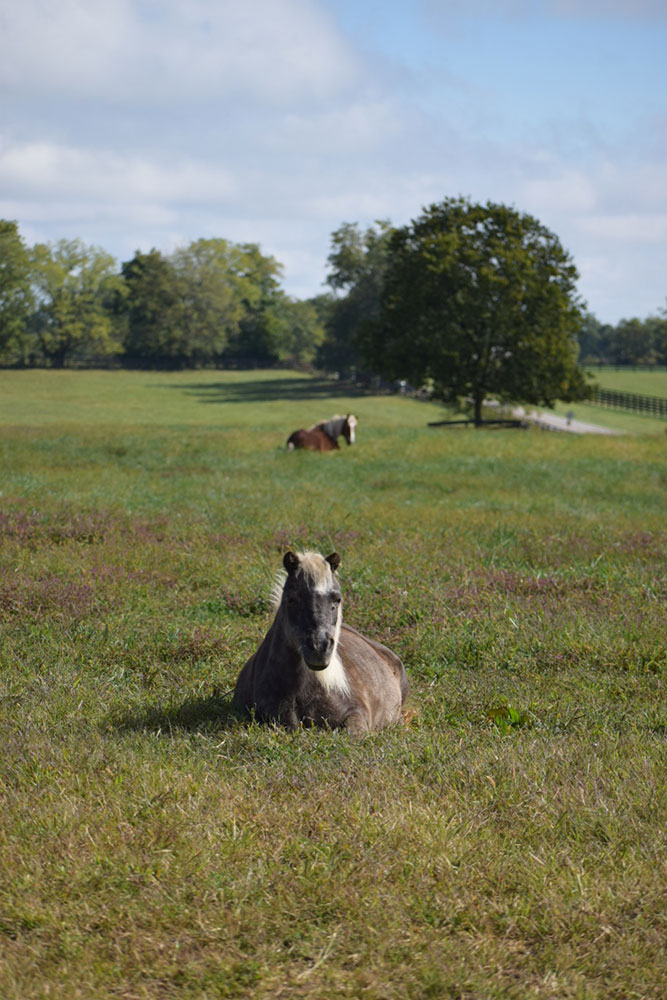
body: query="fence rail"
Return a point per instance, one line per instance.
(656, 406)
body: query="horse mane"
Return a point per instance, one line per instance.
(333, 677)
(323, 425)
(310, 563)
(277, 587)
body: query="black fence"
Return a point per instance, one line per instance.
(655, 406)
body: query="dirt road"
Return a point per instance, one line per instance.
(552, 422)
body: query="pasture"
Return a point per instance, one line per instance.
(508, 841)
(647, 382)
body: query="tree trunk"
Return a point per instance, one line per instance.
(58, 357)
(478, 400)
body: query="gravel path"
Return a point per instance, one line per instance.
(554, 423)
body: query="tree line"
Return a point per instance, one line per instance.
(212, 302)
(629, 342)
(471, 300)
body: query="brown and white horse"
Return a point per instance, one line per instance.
(324, 436)
(311, 668)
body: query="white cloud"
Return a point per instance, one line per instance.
(56, 171)
(605, 279)
(571, 190)
(275, 50)
(358, 127)
(644, 229)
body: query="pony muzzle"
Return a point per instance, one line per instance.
(317, 655)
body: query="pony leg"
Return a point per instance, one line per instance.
(356, 723)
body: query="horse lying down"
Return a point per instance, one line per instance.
(311, 668)
(324, 436)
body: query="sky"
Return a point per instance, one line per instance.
(133, 124)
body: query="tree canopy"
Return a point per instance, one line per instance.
(482, 300)
(357, 265)
(16, 299)
(73, 286)
(480, 291)
(152, 310)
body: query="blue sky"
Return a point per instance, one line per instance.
(150, 123)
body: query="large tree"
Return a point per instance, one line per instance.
(213, 287)
(153, 308)
(255, 341)
(482, 300)
(16, 301)
(301, 331)
(74, 286)
(357, 265)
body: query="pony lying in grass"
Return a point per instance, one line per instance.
(311, 668)
(324, 436)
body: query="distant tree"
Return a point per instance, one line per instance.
(16, 300)
(482, 300)
(630, 342)
(590, 339)
(256, 340)
(357, 265)
(212, 288)
(658, 332)
(73, 286)
(302, 332)
(207, 303)
(153, 310)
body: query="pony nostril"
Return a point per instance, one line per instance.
(323, 644)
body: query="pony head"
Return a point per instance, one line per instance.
(311, 606)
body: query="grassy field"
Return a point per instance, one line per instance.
(508, 841)
(647, 383)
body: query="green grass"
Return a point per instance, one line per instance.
(207, 399)
(508, 842)
(647, 383)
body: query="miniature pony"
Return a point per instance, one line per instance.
(313, 669)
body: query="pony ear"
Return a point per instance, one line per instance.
(334, 561)
(290, 561)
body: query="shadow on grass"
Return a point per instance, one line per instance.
(193, 715)
(252, 390)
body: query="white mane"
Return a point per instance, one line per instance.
(333, 677)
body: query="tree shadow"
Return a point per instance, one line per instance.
(210, 714)
(252, 390)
